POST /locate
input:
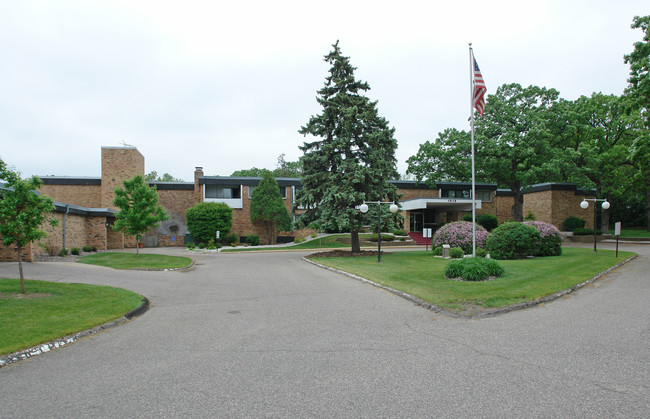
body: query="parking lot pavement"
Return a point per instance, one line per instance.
(266, 334)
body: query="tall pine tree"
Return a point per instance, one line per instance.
(352, 157)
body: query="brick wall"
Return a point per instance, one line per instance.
(503, 208)
(539, 203)
(83, 195)
(556, 203)
(10, 254)
(118, 165)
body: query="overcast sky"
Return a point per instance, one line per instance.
(227, 85)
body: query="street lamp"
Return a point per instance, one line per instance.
(364, 209)
(584, 205)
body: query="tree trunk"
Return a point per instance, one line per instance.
(604, 221)
(354, 241)
(137, 246)
(20, 269)
(518, 206)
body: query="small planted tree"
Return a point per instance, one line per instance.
(267, 208)
(139, 209)
(206, 218)
(22, 212)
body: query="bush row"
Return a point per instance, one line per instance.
(511, 240)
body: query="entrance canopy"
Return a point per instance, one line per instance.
(446, 204)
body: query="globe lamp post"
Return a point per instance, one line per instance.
(364, 209)
(584, 205)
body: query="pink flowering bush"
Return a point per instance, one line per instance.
(550, 243)
(459, 234)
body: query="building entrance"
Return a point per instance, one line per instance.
(421, 219)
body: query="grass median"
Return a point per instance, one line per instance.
(52, 310)
(421, 275)
(118, 260)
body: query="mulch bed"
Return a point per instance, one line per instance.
(345, 254)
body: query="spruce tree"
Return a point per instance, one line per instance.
(352, 156)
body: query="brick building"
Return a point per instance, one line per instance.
(84, 205)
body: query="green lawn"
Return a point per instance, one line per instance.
(133, 261)
(633, 232)
(421, 275)
(52, 310)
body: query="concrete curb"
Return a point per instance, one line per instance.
(490, 313)
(61, 342)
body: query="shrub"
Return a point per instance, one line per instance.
(512, 241)
(75, 251)
(530, 216)
(437, 251)
(384, 238)
(232, 239)
(314, 235)
(88, 249)
(467, 217)
(459, 234)
(456, 253)
(191, 246)
(63, 252)
(572, 223)
(206, 218)
(50, 249)
(253, 239)
(550, 243)
(299, 240)
(580, 231)
(488, 221)
(399, 233)
(480, 252)
(473, 269)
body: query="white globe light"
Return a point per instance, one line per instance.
(363, 208)
(605, 205)
(584, 204)
(393, 208)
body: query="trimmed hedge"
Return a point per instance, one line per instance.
(512, 241)
(488, 221)
(456, 253)
(206, 218)
(572, 223)
(384, 237)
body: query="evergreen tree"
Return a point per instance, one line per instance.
(267, 208)
(352, 157)
(139, 209)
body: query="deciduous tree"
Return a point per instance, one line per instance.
(638, 90)
(22, 213)
(139, 209)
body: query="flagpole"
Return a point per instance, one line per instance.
(471, 107)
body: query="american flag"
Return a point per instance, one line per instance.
(479, 89)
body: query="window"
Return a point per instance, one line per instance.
(485, 196)
(455, 193)
(223, 191)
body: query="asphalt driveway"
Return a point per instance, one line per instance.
(268, 335)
